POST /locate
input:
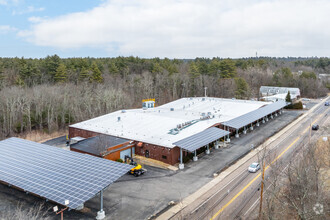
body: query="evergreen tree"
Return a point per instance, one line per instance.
(51, 64)
(288, 97)
(193, 70)
(227, 68)
(19, 81)
(155, 67)
(84, 74)
(172, 69)
(61, 74)
(96, 74)
(242, 88)
(113, 69)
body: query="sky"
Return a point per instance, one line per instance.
(164, 28)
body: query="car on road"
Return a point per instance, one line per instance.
(254, 167)
(326, 103)
(315, 127)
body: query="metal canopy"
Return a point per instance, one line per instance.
(201, 139)
(251, 117)
(54, 173)
(99, 144)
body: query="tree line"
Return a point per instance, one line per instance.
(50, 93)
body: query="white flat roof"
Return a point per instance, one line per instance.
(279, 96)
(153, 125)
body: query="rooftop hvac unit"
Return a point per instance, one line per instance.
(123, 111)
(203, 99)
(145, 108)
(172, 109)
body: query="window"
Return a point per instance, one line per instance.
(164, 157)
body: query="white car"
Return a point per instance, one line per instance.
(254, 167)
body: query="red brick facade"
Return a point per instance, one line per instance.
(76, 132)
(164, 154)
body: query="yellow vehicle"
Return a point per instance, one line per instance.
(137, 170)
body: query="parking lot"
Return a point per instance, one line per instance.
(142, 197)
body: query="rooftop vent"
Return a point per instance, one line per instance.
(118, 118)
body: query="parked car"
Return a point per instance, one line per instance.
(326, 103)
(254, 167)
(315, 127)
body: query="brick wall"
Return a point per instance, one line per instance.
(76, 132)
(164, 154)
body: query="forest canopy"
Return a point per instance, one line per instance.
(52, 92)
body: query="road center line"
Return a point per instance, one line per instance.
(254, 179)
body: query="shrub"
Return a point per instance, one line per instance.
(119, 160)
(297, 105)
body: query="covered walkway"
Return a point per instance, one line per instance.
(255, 117)
(199, 140)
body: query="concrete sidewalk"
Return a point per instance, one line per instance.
(154, 163)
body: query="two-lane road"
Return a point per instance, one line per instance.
(237, 194)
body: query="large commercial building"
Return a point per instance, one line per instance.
(158, 132)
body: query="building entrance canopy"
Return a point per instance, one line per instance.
(201, 139)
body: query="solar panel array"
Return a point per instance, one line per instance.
(54, 173)
(201, 139)
(253, 116)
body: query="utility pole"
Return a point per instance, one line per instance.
(262, 189)
(310, 133)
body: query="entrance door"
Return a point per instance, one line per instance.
(124, 153)
(133, 151)
(147, 153)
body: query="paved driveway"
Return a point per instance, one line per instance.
(141, 197)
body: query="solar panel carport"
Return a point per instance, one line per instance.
(255, 115)
(56, 174)
(196, 141)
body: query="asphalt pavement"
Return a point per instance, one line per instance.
(148, 195)
(235, 194)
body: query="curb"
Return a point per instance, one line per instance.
(188, 200)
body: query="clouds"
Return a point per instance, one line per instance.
(4, 29)
(28, 10)
(9, 2)
(190, 28)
